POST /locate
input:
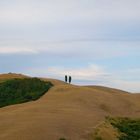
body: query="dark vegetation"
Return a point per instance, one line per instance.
(129, 128)
(62, 139)
(16, 91)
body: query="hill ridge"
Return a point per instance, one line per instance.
(66, 111)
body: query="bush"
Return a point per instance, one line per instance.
(22, 90)
(62, 139)
(130, 128)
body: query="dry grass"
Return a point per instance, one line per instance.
(104, 131)
(66, 111)
(8, 76)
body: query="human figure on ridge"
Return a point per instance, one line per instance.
(70, 79)
(66, 78)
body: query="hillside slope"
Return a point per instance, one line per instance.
(66, 111)
(8, 76)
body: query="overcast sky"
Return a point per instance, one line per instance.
(94, 41)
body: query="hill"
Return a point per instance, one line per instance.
(4, 77)
(67, 111)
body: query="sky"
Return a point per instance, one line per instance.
(97, 42)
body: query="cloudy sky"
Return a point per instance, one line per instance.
(94, 41)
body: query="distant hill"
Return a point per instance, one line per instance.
(67, 112)
(4, 77)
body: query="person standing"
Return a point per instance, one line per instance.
(66, 78)
(70, 79)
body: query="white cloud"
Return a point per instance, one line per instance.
(69, 19)
(128, 85)
(90, 75)
(20, 13)
(17, 50)
(52, 11)
(90, 72)
(84, 73)
(89, 50)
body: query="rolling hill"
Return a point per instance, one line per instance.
(66, 111)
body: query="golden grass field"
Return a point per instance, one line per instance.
(66, 111)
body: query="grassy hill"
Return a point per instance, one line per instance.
(68, 112)
(4, 77)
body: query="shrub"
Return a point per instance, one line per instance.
(130, 128)
(22, 90)
(62, 139)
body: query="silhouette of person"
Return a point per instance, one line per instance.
(70, 79)
(66, 78)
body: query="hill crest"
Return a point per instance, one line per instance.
(66, 111)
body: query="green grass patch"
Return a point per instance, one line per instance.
(17, 91)
(129, 128)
